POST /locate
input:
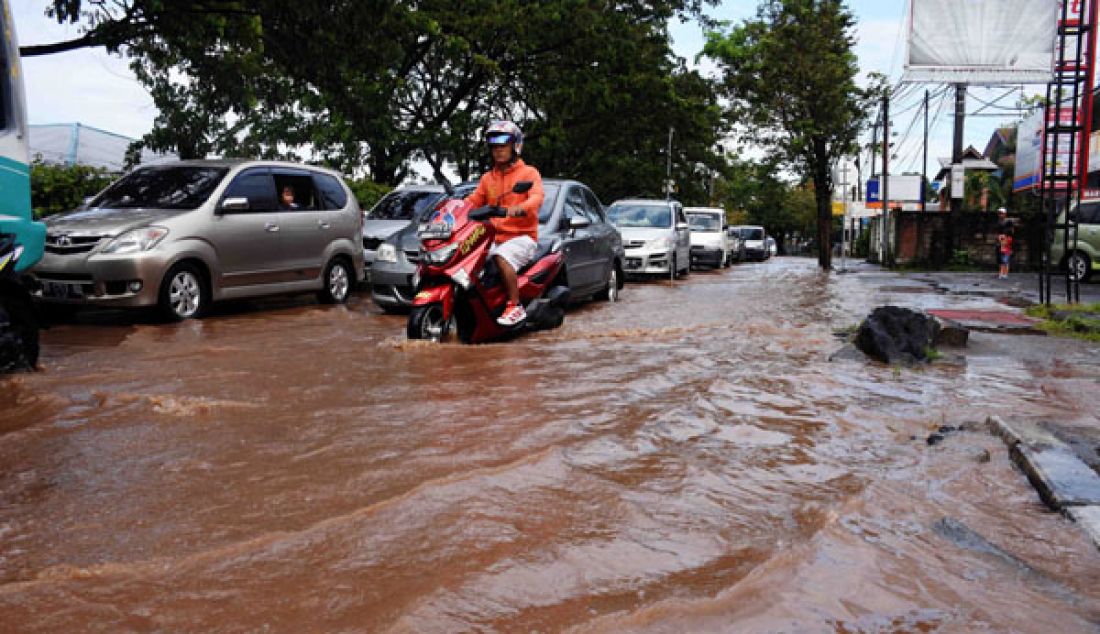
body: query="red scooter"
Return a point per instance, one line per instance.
(459, 286)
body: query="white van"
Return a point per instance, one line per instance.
(709, 241)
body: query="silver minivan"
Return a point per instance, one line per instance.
(655, 234)
(182, 235)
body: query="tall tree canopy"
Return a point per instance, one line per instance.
(372, 85)
(789, 75)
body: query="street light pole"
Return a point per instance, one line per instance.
(668, 165)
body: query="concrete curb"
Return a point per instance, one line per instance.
(1064, 482)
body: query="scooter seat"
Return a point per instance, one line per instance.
(546, 247)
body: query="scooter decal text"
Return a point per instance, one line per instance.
(471, 240)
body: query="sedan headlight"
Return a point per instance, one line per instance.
(136, 241)
(661, 243)
(441, 256)
(386, 253)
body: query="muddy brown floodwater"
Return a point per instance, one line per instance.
(684, 461)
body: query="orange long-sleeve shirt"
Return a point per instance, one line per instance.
(496, 185)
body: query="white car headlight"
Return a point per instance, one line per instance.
(386, 253)
(136, 240)
(441, 256)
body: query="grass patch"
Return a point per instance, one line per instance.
(1079, 321)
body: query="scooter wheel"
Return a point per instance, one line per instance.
(427, 322)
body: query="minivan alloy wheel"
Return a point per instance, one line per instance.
(185, 294)
(338, 282)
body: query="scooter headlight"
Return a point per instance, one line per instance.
(441, 256)
(462, 278)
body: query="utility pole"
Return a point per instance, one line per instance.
(668, 168)
(885, 177)
(844, 227)
(924, 171)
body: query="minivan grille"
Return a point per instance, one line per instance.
(65, 244)
(633, 244)
(412, 256)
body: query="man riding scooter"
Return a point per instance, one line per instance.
(516, 234)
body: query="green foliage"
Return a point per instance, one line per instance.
(367, 192)
(789, 76)
(370, 87)
(1077, 321)
(56, 188)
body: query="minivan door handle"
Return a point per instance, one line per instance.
(271, 227)
(323, 224)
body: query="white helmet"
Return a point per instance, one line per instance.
(504, 131)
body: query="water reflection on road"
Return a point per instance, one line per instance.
(684, 460)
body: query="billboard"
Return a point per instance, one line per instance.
(982, 41)
(905, 191)
(1029, 149)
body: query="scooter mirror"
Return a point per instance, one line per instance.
(522, 187)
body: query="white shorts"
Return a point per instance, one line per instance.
(517, 251)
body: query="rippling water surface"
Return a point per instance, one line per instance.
(685, 460)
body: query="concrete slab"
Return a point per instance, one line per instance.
(1061, 478)
(998, 321)
(1088, 518)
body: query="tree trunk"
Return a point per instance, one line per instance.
(823, 195)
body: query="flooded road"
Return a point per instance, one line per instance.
(685, 460)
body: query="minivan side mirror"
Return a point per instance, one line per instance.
(235, 204)
(522, 187)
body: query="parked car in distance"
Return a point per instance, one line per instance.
(709, 242)
(737, 243)
(392, 213)
(570, 213)
(1086, 258)
(182, 235)
(656, 236)
(756, 247)
(773, 248)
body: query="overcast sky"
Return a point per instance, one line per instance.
(94, 88)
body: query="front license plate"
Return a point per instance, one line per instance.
(62, 290)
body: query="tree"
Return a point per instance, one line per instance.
(789, 75)
(383, 84)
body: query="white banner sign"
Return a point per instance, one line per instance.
(982, 41)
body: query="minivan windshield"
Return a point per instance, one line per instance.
(628, 215)
(403, 205)
(175, 187)
(752, 234)
(704, 222)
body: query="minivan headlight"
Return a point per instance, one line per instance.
(136, 240)
(386, 253)
(661, 243)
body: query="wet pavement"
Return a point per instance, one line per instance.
(684, 460)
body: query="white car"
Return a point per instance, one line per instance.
(709, 242)
(756, 245)
(656, 236)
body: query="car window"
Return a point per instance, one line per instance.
(704, 222)
(294, 190)
(403, 205)
(640, 215)
(330, 194)
(257, 186)
(751, 233)
(170, 187)
(575, 204)
(593, 207)
(1090, 213)
(550, 192)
